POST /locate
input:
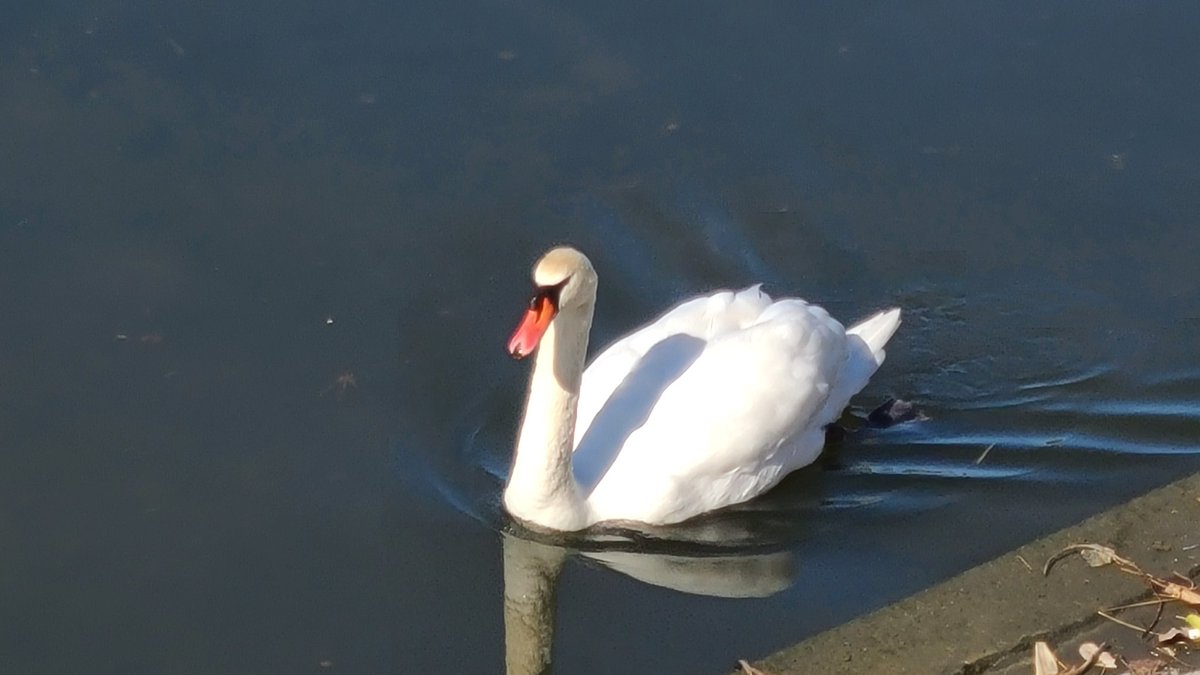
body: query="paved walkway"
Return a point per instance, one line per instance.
(986, 619)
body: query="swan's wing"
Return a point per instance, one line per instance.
(703, 317)
(721, 431)
(750, 390)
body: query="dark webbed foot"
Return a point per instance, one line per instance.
(894, 411)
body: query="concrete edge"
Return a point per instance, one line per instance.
(995, 611)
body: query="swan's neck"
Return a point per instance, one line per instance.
(541, 488)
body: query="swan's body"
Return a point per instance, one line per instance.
(710, 405)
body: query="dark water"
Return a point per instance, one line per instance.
(258, 262)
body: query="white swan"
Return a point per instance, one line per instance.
(710, 405)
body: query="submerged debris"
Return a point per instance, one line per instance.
(342, 383)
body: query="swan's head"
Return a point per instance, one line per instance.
(563, 280)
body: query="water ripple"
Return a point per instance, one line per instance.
(899, 467)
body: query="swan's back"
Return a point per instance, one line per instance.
(714, 402)
(704, 318)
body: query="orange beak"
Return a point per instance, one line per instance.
(533, 326)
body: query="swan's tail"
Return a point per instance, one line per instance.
(875, 332)
(865, 353)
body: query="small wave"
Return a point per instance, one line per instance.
(1128, 408)
(725, 237)
(938, 470)
(890, 502)
(1068, 442)
(1067, 379)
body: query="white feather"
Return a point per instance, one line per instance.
(715, 402)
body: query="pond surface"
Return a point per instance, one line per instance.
(258, 263)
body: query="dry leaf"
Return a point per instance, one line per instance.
(1044, 661)
(1172, 637)
(1174, 591)
(1097, 654)
(748, 669)
(1146, 666)
(1094, 555)
(1099, 556)
(1088, 651)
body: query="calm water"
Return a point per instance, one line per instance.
(258, 262)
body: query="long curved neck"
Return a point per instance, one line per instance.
(541, 488)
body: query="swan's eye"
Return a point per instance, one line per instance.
(548, 293)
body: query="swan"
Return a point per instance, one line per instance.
(710, 405)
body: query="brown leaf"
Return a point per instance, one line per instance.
(1174, 591)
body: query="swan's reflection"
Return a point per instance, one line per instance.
(531, 570)
(530, 590)
(746, 576)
